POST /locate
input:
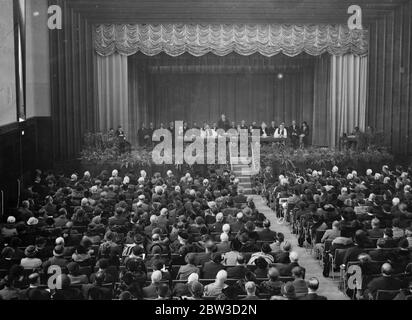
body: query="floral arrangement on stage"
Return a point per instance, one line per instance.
(281, 158)
(103, 150)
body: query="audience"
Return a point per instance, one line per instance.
(111, 233)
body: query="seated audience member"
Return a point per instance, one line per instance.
(273, 285)
(74, 274)
(266, 234)
(360, 244)
(239, 270)
(250, 288)
(195, 289)
(313, 286)
(380, 253)
(264, 253)
(405, 292)
(262, 266)
(376, 231)
(287, 270)
(189, 268)
(300, 285)
(279, 243)
(212, 267)
(224, 245)
(287, 292)
(408, 233)
(390, 242)
(182, 289)
(30, 261)
(151, 290)
(34, 291)
(397, 231)
(9, 229)
(230, 258)
(10, 291)
(67, 292)
(283, 255)
(385, 282)
(215, 288)
(162, 292)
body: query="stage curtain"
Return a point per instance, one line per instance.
(199, 89)
(321, 101)
(222, 39)
(112, 81)
(348, 88)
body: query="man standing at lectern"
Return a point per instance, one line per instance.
(223, 123)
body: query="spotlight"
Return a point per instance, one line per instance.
(280, 76)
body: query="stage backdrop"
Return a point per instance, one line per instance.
(195, 73)
(201, 88)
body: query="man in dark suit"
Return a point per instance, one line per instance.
(380, 254)
(33, 292)
(313, 285)
(271, 130)
(141, 133)
(223, 123)
(266, 234)
(238, 271)
(294, 134)
(151, 290)
(287, 270)
(212, 267)
(385, 282)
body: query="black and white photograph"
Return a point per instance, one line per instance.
(205, 153)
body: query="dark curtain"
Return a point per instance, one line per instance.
(321, 101)
(199, 89)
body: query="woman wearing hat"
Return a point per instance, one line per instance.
(30, 261)
(9, 229)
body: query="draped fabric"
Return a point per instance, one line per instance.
(348, 89)
(221, 39)
(321, 134)
(113, 102)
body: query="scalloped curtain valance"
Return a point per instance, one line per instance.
(196, 39)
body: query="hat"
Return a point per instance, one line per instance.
(30, 251)
(163, 212)
(288, 290)
(58, 251)
(59, 241)
(11, 219)
(32, 221)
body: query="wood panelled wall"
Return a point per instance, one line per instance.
(72, 76)
(390, 79)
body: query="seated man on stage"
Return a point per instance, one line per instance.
(223, 123)
(281, 132)
(243, 125)
(272, 129)
(294, 134)
(263, 130)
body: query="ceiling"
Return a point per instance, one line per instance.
(229, 11)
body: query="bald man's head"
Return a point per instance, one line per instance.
(386, 269)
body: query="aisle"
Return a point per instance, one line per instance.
(328, 287)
